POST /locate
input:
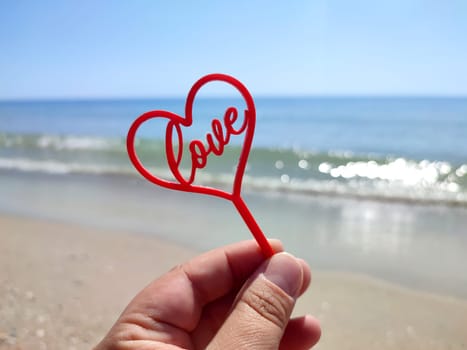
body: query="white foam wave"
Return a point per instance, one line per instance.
(55, 167)
(360, 187)
(440, 192)
(383, 190)
(74, 143)
(400, 172)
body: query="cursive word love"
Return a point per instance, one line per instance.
(199, 151)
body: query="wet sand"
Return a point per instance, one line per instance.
(417, 246)
(63, 285)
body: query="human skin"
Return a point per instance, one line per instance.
(229, 298)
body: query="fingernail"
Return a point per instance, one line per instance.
(285, 272)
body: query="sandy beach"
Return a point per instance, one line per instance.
(63, 285)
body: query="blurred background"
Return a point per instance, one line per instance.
(359, 162)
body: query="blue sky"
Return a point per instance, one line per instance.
(145, 48)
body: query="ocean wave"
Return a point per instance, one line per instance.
(404, 172)
(288, 170)
(57, 167)
(57, 142)
(74, 143)
(396, 189)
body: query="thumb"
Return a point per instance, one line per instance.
(263, 307)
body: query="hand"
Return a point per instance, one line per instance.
(229, 298)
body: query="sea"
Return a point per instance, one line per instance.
(367, 185)
(384, 148)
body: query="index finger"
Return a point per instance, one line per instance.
(218, 271)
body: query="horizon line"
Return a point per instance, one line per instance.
(257, 96)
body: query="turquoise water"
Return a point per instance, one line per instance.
(404, 149)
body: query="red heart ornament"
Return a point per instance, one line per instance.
(216, 140)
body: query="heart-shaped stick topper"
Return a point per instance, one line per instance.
(216, 140)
